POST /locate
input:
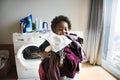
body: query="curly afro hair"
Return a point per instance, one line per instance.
(58, 19)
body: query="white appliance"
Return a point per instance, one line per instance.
(27, 69)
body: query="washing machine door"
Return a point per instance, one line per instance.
(28, 56)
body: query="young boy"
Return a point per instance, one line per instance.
(65, 61)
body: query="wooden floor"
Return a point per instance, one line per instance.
(90, 72)
(12, 75)
(87, 72)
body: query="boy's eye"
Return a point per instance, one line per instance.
(65, 29)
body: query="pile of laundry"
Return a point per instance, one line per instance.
(4, 56)
(66, 53)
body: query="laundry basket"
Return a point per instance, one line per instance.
(5, 64)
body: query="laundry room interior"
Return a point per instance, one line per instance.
(27, 23)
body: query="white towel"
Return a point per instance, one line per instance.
(57, 42)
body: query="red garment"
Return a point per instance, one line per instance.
(43, 69)
(48, 70)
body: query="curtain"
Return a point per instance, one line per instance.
(94, 33)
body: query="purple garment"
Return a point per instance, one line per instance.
(74, 55)
(77, 48)
(70, 64)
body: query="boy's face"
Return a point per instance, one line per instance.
(61, 28)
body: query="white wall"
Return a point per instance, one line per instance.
(11, 11)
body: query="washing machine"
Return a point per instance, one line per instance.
(27, 69)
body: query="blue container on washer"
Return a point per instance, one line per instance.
(45, 26)
(26, 24)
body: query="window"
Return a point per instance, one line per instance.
(111, 53)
